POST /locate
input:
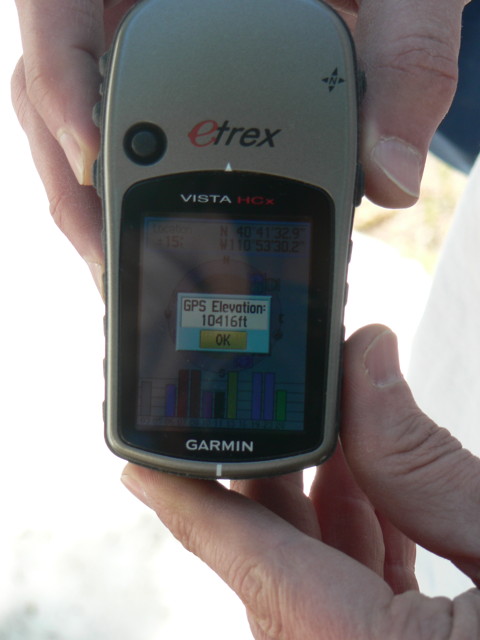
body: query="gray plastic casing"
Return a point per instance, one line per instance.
(276, 64)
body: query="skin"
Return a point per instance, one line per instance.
(410, 63)
(338, 564)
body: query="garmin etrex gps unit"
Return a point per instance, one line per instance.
(228, 172)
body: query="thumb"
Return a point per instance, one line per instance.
(409, 50)
(413, 471)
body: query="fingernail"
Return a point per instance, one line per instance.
(97, 271)
(134, 486)
(381, 360)
(401, 163)
(74, 153)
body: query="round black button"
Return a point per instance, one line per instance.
(145, 143)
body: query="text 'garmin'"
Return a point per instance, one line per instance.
(220, 445)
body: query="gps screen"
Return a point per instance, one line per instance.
(223, 322)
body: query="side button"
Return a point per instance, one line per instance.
(350, 249)
(103, 63)
(359, 185)
(97, 114)
(345, 299)
(361, 85)
(97, 178)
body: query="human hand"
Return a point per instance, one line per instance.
(407, 48)
(54, 89)
(340, 564)
(409, 51)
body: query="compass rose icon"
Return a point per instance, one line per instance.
(333, 80)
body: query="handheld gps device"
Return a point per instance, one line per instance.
(228, 172)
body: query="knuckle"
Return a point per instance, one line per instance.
(39, 86)
(180, 527)
(252, 581)
(413, 616)
(249, 575)
(87, 13)
(273, 585)
(466, 616)
(86, 16)
(59, 204)
(19, 95)
(425, 58)
(51, 70)
(422, 448)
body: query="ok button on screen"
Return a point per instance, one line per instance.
(209, 322)
(224, 340)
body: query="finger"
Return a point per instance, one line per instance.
(349, 523)
(409, 50)
(114, 13)
(75, 209)
(62, 40)
(345, 6)
(347, 518)
(347, 10)
(292, 585)
(400, 554)
(415, 473)
(284, 496)
(257, 631)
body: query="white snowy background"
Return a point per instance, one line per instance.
(80, 559)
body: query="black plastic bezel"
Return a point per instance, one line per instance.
(291, 200)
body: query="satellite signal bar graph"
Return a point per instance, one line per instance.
(230, 399)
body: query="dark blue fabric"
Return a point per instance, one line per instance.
(459, 133)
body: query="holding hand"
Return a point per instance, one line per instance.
(54, 89)
(340, 564)
(409, 51)
(407, 48)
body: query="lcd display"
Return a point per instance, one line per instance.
(224, 310)
(223, 322)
